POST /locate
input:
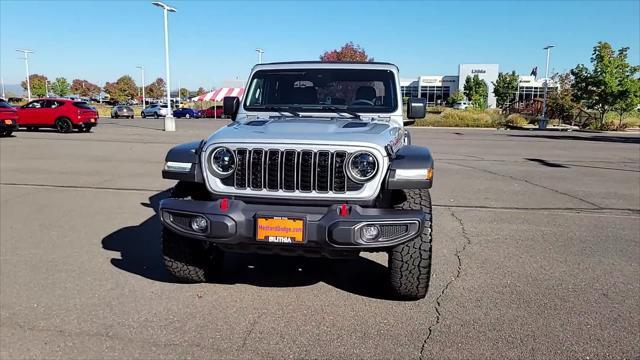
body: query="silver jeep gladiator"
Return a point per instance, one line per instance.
(316, 162)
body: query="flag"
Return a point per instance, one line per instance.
(534, 72)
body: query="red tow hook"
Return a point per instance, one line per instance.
(224, 204)
(344, 210)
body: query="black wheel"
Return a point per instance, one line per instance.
(116, 116)
(156, 115)
(85, 128)
(31, 128)
(143, 115)
(5, 133)
(63, 125)
(131, 117)
(410, 263)
(186, 259)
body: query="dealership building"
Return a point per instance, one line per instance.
(436, 89)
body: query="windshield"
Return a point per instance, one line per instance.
(322, 90)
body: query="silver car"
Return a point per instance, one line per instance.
(155, 110)
(124, 111)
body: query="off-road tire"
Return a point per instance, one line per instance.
(410, 262)
(189, 260)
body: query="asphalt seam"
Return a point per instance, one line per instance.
(528, 182)
(458, 255)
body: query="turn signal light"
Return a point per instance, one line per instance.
(429, 174)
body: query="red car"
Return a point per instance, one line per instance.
(8, 119)
(212, 112)
(61, 114)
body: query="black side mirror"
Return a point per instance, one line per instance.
(230, 106)
(416, 108)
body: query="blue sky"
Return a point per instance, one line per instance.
(214, 41)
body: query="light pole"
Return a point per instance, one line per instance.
(543, 122)
(169, 121)
(141, 67)
(260, 52)
(26, 53)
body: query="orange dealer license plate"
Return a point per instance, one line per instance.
(280, 230)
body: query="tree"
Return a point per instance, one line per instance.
(84, 88)
(629, 98)
(505, 89)
(38, 85)
(560, 103)
(457, 96)
(349, 52)
(155, 90)
(60, 87)
(123, 89)
(608, 84)
(184, 93)
(201, 91)
(476, 90)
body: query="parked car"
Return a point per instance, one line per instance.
(61, 114)
(297, 176)
(186, 113)
(212, 112)
(8, 119)
(155, 110)
(461, 105)
(122, 111)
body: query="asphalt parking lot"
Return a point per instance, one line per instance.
(536, 255)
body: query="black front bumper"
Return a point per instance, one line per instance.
(233, 227)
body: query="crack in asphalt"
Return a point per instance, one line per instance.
(458, 255)
(528, 182)
(250, 331)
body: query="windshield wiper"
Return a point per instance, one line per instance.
(282, 109)
(341, 109)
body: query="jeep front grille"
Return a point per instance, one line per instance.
(320, 171)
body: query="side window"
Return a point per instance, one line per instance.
(52, 104)
(35, 104)
(256, 95)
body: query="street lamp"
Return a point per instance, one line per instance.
(141, 67)
(169, 121)
(260, 52)
(26, 53)
(543, 122)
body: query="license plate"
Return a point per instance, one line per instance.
(280, 230)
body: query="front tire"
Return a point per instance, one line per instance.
(143, 115)
(156, 115)
(186, 259)
(410, 262)
(64, 125)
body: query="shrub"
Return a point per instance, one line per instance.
(466, 118)
(516, 120)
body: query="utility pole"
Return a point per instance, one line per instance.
(141, 67)
(260, 52)
(169, 121)
(543, 122)
(2, 81)
(26, 53)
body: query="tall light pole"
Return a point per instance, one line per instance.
(2, 81)
(141, 67)
(169, 121)
(260, 52)
(26, 53)
(543, 122)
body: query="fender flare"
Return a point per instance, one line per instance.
(187, 153)
(411, 168)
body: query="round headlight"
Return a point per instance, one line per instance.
(223, 162)
(362, 166)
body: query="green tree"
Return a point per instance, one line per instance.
(561, 103)
(122, 90)
(38, 85)
(349, 52)
(84, 88)
(456, 97)
(201, 91)
(629, 97)
(184, 93)
(155, 90)
(505, 89)
(606, 86)
(477, 91)
(60, 87)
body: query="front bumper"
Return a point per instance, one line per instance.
(233, 225)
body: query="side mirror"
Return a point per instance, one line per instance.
(416, 108)
(230, 106)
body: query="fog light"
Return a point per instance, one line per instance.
(370, 232)
(199, 224)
